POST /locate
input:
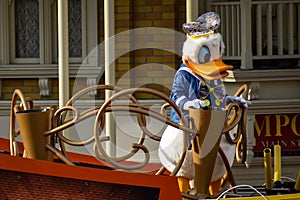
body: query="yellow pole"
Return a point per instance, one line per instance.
(277, 163)
(297, 184)
(268, 168)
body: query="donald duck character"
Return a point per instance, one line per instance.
(198, 84)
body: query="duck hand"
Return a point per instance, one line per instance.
(239, 100)
(196, 103)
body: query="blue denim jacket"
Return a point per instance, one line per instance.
(186, 87)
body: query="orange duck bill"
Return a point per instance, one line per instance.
(211, 70)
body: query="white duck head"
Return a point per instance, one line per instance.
(203, 49)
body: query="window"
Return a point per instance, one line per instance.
(28, 32)
(75, 28)
(24, 31)
(27, 29)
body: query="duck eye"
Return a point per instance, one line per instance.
(204, 55)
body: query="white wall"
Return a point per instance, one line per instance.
(4, 127)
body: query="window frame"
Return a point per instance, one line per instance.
(48, 36)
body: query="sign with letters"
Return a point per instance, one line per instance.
(282, 129)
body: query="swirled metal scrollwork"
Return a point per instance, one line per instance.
(26, 103)
(235, 117)
(141, 111)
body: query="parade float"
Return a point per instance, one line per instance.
(42, 132)
(42, 139)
